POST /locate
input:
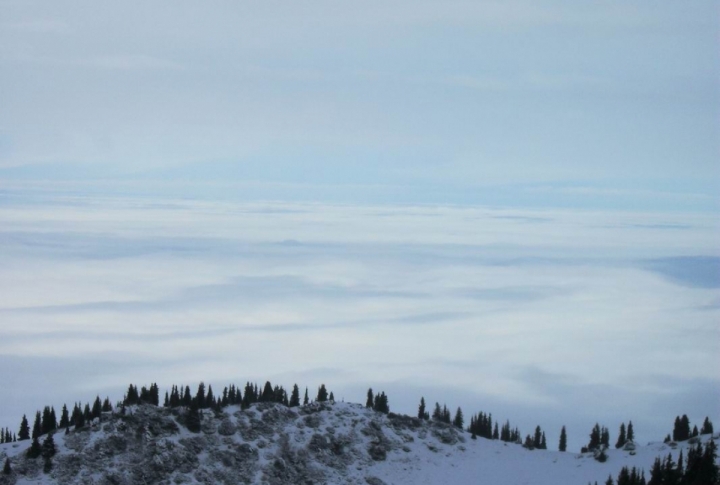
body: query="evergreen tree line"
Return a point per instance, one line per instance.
(700, 468)
(537, 441)
(481, 424)
(233, 395)
(6, 436)
(47, 422)
(681, 429)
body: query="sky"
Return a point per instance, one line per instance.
(509, 206)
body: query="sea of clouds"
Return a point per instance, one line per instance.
(546, 317)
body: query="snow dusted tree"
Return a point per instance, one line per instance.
(48, 446)
(35, 449)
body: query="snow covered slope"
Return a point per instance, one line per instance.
(336, 443)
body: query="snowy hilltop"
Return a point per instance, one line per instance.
(318, 443)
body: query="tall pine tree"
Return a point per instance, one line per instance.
(24, 432)
(563, 440)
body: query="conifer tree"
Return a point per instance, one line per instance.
(48, 446)
(87, 414)
(421, 409)
(543, 442)
(595, 436)
(210, 397)
(458, 421)
(132, 396)
(630, 432)
(295, 397)
(52, 420)
(186, 399)
(24, 433)
(437, 413)
(709, 472)
(369, 402)
(193, 417)
(267, 393)
(306, 399)
(707, 427)
(562, 446)
(154, 394)
(605, 437)
(7, 469)
(200, 395)
(97, 408)
(538, 437)
(681, 430)
(37, 426)
(381, 403)
(529, 443)
(332, 397)
(35, 449)
(621, 437)
(64, 417)
(322, 394)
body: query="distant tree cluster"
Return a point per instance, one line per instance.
(145, 395)
(682, 432)
(481, 424)
(6, 436)
(377, 402)
(204, 398)
(537, 441)
(599, 438)
(625, 434)
(442, 414)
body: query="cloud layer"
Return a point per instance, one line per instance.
(522, 313)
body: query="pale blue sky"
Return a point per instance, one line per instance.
(605, 104)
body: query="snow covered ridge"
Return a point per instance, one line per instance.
(319, 443)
